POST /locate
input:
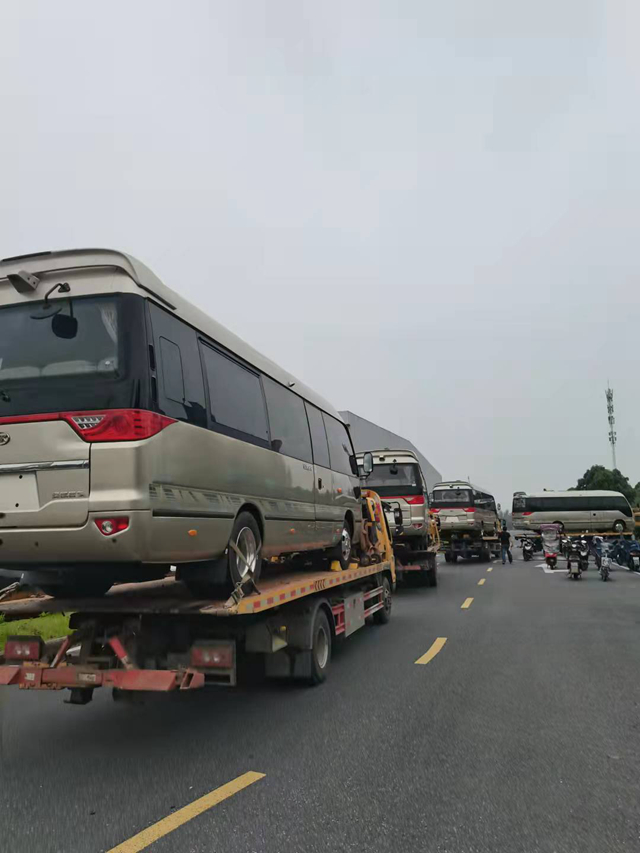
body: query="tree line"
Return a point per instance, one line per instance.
(599, 477)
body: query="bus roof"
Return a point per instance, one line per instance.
(143, 278)
(580, 493)
(461, 484)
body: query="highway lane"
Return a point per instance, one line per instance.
(521, 733)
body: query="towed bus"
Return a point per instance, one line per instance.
(584, 511)
(137, 434)
(462, 507)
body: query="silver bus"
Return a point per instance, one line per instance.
(584, 511)
(137, 433)
(462, 507)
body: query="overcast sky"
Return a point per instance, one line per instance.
(446, 195)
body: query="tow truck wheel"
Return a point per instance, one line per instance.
(321, 648)
(382, 616)
(447, 557)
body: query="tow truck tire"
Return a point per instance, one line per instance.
(382, 616)
(447, 557)
(320, 649)
(432, 576)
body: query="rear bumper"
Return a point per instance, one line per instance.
(148, 539)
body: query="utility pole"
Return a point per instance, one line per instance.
(612, 423)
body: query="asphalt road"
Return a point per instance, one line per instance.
(522, 734)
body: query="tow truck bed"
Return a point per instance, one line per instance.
(155, 637)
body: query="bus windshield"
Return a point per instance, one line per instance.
(395, 479)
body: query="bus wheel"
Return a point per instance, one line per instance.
(342, 551)
(618, 527)
(246, 537)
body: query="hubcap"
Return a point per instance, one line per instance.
(248, 547)
(345, 544)
(322, 648)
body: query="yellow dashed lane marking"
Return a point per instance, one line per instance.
(490, 569)
(433, 651)
(163, 827)
(481, 582)
(467, 604)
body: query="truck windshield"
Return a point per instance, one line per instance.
(395, 479)
(452, 497)
(76, 359)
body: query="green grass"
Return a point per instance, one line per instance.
(48, 626)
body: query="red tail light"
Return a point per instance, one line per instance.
(527, 513)
(434, 509)
(469, 509)
(109, 425)
(214, 655)
(23, 648)
(109, 526)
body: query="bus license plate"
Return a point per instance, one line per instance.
(18, 492)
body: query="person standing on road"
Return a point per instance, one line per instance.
(505, 545)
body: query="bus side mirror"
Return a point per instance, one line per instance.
(367, 464)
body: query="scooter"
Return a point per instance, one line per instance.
(527, 550)
(550, 543)
(574, 562)
(583, 553)
(605, 562)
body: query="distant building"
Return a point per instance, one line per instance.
(369, 436)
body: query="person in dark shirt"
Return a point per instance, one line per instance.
(505, 545)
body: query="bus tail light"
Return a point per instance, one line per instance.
(109, 526)
(109, 425)
(415, 500)
(527, 513)
(469, 509)
(434, 509)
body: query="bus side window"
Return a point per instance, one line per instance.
(180, 381)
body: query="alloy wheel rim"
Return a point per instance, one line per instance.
(248, 547)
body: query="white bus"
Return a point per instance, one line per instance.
(584, 511)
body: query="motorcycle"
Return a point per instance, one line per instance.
(633, 559)
(583, 553)
(605, 562)
(527, 550)
(550, 543)
(574, 562)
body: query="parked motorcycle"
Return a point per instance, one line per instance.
(550, 543)
(527, 550)
(583, 553)
(605, 562)
(633, 558)
(574, 561)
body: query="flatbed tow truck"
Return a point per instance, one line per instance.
(154, 636)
